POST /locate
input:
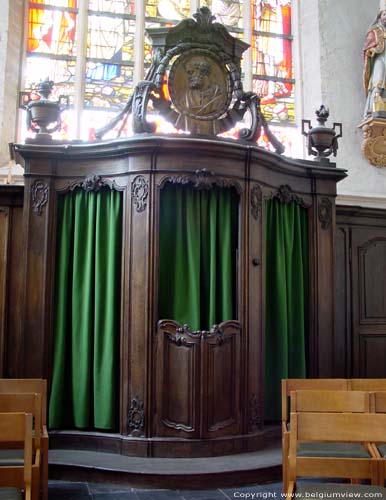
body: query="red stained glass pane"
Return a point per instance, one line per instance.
(52, 30)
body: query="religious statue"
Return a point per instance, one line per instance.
(374, 75)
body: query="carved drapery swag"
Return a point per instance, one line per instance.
(201, 64)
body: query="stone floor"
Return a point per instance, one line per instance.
(63, 490)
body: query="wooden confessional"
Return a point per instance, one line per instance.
(182, 393)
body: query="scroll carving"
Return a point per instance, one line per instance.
(140, 192)
(285, 195)
(202, 179)
(39, 196)
(136, 415)
(181, 333)
(325, 213)
(256, 201)
(91, 183)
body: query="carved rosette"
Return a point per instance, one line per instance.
(255, 419)
(140, 192)
(325, 213)
(374, 141)
(39, 196)
(256, 201)
(136, 415)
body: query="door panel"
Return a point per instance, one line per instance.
(369, 301)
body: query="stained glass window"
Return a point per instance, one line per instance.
(54, 50)
(228, 12)
(272, 59)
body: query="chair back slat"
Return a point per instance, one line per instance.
(30, 385)
(330, 401)
(343, 427)
(25, 403)
(296, 384)
(367, 384)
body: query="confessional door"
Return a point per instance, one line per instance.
(368, 261)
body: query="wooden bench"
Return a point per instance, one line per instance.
(9, 452)
(289, 385)
(38, 386)
(17, 428)
(359, 428)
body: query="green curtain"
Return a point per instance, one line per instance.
(85, 375)
(286, 298)
(198, 248)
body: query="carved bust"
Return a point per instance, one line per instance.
(200, 87)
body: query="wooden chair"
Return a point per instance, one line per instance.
(24, 403)
(329, 428)
(378, 405)
(331, 402)
(294, 384)
(17, 427)
(38, 386)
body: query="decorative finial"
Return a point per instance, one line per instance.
(322, 115)
(322, 141)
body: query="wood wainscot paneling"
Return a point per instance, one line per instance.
(360, 263)
(11, 259)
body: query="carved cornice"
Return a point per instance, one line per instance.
(325, 213)
(256, 201)
(285, 195)
(140, 192)
(201, 179)
(136, 415)
(255, 412)
(39, 196)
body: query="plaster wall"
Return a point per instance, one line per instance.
(336, 34)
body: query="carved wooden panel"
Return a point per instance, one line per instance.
(4, 237)
(372, 274)
(369, 301)
(221, 380)
(372, 356)
(177, 380)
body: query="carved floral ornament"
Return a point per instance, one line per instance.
(140, 192)
(255, 410)
(325, 213)
(136, 415)
(202, 179)
(39, 196)
(91, 183)
(256, 201)
(285, 195)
